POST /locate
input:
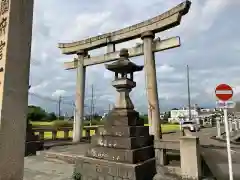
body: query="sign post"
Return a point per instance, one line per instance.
(218, 127)
(224, 92)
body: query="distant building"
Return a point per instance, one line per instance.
(177, 115)
(196, 113)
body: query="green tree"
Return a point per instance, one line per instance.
(61, 117)
(144, 118)
(97, 117)
(166, 116)
(51, 116)
(36, 113)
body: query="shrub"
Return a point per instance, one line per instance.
(144, 118)
(76, 176)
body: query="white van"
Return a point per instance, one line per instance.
(192, 126)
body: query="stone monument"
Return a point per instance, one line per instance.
(15, 49)
(122, 148)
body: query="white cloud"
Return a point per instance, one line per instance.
(164, 69)
(59, 92)
(209, 45)
(38, 88)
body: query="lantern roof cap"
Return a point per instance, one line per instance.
(123, 64)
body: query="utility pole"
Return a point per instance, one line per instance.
(92, 106)
(59, 106)
(109, 108)
(189, 100)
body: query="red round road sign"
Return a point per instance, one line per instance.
(224, 92)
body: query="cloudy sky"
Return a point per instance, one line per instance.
(210, 46)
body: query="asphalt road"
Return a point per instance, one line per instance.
(215, 154)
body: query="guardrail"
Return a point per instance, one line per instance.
(40, 130)
(188, 147)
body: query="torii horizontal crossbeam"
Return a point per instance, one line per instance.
(158, 45)
(157, 24)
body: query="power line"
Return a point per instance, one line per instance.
(47, 98)
(43, 97)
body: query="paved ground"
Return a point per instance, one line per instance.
(38, 168)
(215, 154)
(218, 162)
(41, 168)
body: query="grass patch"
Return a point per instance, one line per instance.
(60, 134)
(38, 123)
(56, 123)
(170, 127)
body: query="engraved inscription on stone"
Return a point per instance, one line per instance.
(115, 171)
(98, 168)
(114, 132)
(3, 25)
(116, 158)
(102, 132)
(4, 6)
(103, 155)
(106, 143)
(1, 69)
(117, 133)
(2, 45)
(96, 154)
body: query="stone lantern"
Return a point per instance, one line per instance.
(124, 69)
(122, 148)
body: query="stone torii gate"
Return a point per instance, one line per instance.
(15, 49)
(146, 31)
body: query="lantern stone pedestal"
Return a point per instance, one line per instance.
(32, 144)
(122, 148)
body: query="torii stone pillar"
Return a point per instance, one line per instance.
(15, 49)
(151, 84)
(80, 93)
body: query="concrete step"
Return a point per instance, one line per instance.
(60, 156)
(165, 177)
(168, 173)
(67, 153)
(39, 168)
